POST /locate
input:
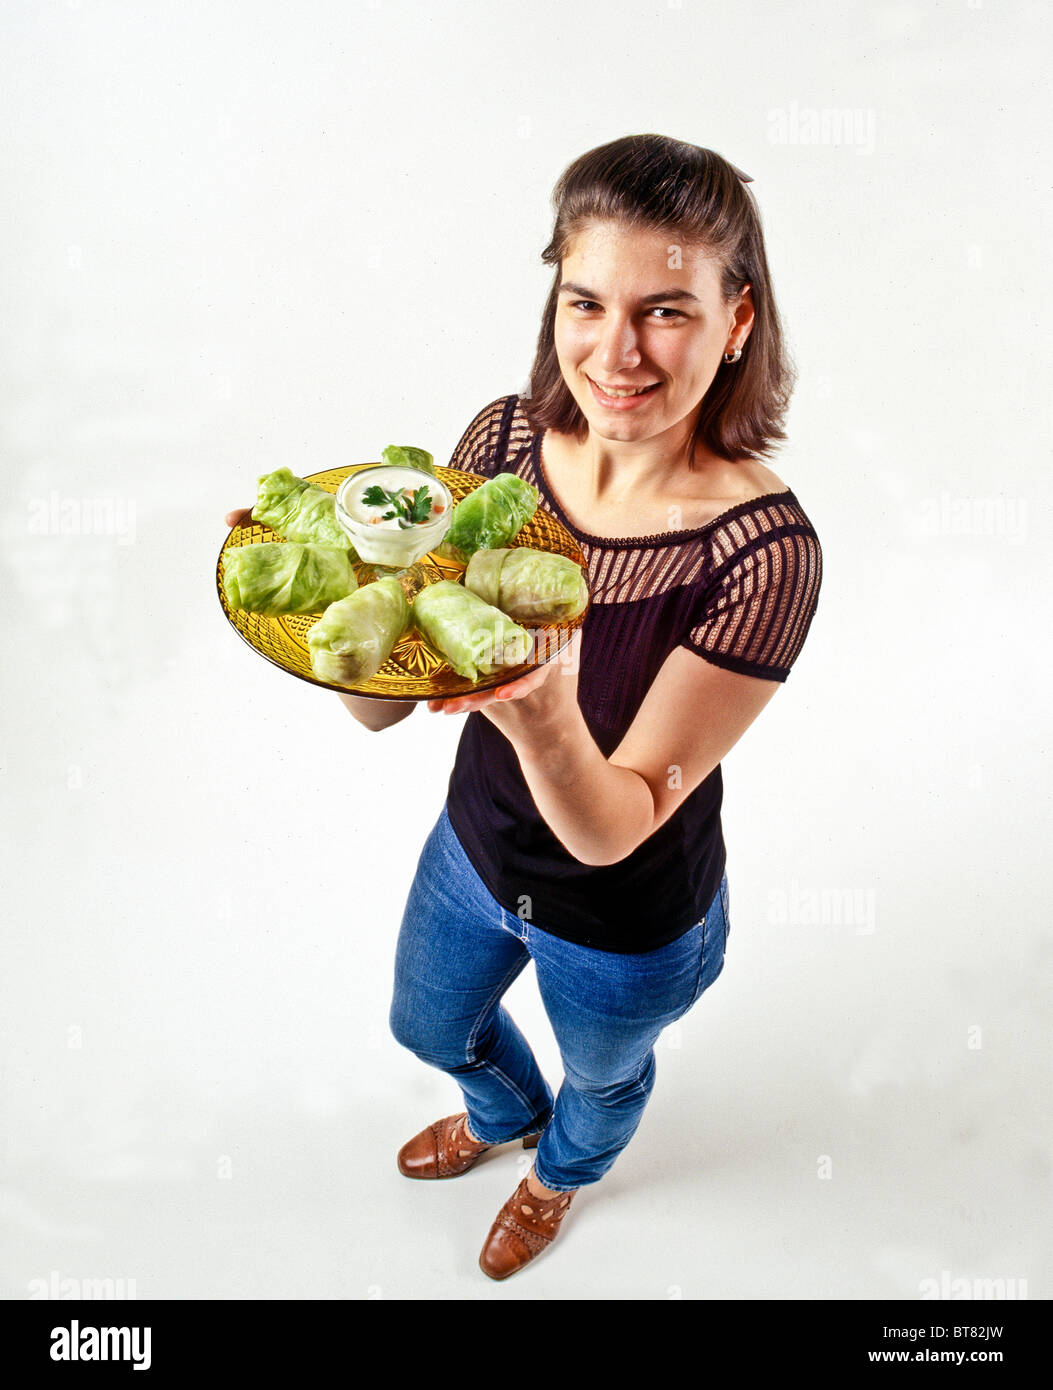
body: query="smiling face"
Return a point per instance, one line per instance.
(627, 319)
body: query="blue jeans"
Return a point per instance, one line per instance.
(459, 950)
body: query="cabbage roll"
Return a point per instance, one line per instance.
(299, 511)
(490, 516)
(528, 585)
(355, 636)
(474, 637)
(275, 578)
(406, 456)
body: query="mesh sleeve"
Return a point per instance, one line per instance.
(755, 612)
(482, 446)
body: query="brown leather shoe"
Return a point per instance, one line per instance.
(525, 1227)
(444, 1150)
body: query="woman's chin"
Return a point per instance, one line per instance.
(621, 427)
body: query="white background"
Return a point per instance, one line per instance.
(241, 235)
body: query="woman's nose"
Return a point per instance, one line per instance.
(618, 346)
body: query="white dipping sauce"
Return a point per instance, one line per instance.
(389, 540)
(392, 479)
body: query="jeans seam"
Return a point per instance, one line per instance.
(498, 990)
(490, 1067)
(701, 962)
(511, 1086)
(638, 1083)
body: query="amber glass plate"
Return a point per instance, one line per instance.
(415, 670)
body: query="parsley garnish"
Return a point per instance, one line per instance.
(409, 510)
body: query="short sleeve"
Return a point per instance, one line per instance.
(755, 612)
(483, 445)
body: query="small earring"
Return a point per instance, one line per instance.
(733, 356)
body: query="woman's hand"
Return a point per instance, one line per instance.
(236, 518)
(545, 698)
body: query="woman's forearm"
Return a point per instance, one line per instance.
(378, 714)
(598, 811)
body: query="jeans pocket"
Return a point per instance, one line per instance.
(725, 900)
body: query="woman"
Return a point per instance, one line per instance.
(582, 822)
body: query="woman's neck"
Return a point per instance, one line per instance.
(610, 472)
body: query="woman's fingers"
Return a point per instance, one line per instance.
(453, 705)
(513, 690)
(236, 518)
(459, 704)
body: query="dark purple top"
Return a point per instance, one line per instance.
(740, 592)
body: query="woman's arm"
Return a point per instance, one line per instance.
(378, 714)
(601, 809)
(692, 716)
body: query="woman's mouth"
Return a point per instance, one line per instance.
(621, 397)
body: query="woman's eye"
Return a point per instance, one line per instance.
(669, 315)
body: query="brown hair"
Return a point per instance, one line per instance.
(695, 195)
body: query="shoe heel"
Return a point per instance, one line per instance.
(530, 1142)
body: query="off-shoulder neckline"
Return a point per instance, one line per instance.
(659, 537)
